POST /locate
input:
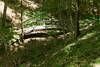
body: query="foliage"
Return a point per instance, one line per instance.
(36, 18)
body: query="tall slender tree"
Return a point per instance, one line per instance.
(4, 14)
(77, 18)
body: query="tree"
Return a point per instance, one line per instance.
(64, 11)
(77, 18)
(4, 14)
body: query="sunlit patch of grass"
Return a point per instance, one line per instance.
(96, 65)
(97, 60)
(86, 24)
(87, 36)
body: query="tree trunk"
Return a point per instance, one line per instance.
(4, 14)
(98, 13)
(77, 20)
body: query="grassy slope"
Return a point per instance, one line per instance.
(56, 53)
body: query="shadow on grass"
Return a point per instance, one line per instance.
(6, 34)
(86, 50)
